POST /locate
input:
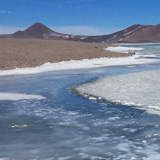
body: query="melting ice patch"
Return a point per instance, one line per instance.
(79, 64)
(18, 96)
(135, 89)
(120, 49)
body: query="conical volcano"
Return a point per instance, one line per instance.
(36, 30)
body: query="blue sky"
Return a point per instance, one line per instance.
(90, 17)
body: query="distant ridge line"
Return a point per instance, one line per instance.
(136, 33)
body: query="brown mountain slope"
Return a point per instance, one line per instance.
(117, 36)
(149, 34)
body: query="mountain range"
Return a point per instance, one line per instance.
(134, 34)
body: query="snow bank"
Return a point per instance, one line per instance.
(136, 89)
(119, 49)
(79, 64)
(18, 96)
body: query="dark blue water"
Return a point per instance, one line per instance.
(65, 126)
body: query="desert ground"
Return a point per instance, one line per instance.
(20, 53)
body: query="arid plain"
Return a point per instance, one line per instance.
(20, 53)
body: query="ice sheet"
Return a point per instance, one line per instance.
(79, 64)
(120, 49)
(140, 90)
(18, 96)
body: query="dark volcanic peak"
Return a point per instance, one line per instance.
(37, 29)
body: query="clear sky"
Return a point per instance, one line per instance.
(90, 17)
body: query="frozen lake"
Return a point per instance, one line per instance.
(48, 120)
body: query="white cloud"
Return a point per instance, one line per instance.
(5, 11)
(9, 29)
(85, 30)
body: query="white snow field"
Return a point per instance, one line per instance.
(140, 90)
(18, 96)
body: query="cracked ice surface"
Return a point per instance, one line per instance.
(135, 89)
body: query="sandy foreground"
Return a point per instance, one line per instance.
(22, 53)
